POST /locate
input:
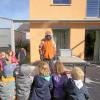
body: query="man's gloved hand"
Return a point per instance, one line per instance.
(41, 57)
(55, 58)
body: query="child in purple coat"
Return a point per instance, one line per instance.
(58, 81)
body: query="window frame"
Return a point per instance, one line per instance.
(98, 13)
(61, 4)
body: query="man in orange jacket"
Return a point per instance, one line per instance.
(47, 48)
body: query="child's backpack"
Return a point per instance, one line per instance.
(7, 91)
(9, 69)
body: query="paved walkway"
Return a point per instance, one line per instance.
(93, 82)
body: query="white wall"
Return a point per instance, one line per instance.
(5, 37)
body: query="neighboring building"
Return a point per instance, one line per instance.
(6, 34)
(69, 20)
(22, 34)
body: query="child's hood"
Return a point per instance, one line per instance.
(26, 70)
(41, 81)
(47, 78)
(78, 83)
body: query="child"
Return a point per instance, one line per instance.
(58, 81)
(13, 57)
(24, 78)
(74, 87)
(22, 56)
(7, 83)
(42, 84)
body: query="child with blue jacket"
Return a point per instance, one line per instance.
(74, 87)
(42, 84)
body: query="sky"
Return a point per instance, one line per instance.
(14, 9)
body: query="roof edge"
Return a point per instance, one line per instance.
(60, 20)
(6, 18)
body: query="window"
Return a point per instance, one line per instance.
(61, 37)
(61, 1)
(93, 8)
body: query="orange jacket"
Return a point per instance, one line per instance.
(47, 48)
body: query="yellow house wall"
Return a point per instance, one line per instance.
(77, 36)
(43, 9)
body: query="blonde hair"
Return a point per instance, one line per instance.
(77, 73)
(43, 68)
(59, 67)
(11, 53)
(3, 54)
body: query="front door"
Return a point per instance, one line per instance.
(61, 37)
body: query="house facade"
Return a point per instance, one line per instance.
(68, 20)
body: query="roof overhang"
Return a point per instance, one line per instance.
(67, 20)
(68, 23)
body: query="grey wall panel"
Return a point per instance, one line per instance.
(5, 37)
